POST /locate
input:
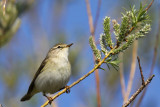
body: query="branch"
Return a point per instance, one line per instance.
(82, 78)
(149, 5)
(138, 91)
(140, 68)
(92, 31)
(97, 14)
(90, 19)
(142, 86)
(96, 72)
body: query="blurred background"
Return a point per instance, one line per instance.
(31, 27)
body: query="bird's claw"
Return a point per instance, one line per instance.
(50, 100)
(67, 89)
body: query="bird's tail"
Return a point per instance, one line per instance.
(26, 97)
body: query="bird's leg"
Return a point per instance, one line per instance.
(67, 89)
(49, 98)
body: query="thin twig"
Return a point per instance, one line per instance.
(96, 72)
(132, 72)
(149, 5)
(122, 81)
(90, 19)
(98, 88)
(92, 31)
(97, 14)
(82, 78)
(140, 68)
(138, 91)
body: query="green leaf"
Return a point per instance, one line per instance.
(101, 68)
(115, 62)
(108, 66)
(108, 59)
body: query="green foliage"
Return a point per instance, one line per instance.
(134, 25)
(124, 28)
(113, 62)
(9, 22)
(103, 43)
(139, 15)
(116, 28)
(143, 31)
(106, 27)
(125, 45)
(131, 38)
(96, 51)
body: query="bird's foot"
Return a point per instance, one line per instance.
(49, 98)
(67, 89)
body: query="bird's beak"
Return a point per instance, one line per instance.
(69, 45)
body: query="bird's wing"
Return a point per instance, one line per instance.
(40, 70)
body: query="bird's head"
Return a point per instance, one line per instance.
(59, 50)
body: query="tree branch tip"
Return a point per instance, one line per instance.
(138, 91)
(152, 76)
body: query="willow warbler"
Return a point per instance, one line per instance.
(53, 73)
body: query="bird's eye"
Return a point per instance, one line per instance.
(58, 47)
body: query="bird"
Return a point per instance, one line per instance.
(53, 73)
